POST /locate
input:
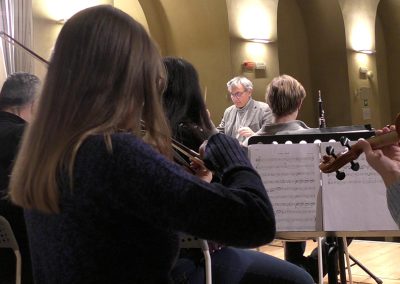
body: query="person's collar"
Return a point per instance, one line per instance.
(286, 118)
(11, 116)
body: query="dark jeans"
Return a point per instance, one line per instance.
(234, 266)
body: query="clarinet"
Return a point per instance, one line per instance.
(321, 118)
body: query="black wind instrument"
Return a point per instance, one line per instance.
(321, 118)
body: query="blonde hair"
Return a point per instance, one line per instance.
(104, 76)
(284, 95)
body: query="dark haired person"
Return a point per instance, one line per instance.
(103, 202)
(191, 125)
(17, 97)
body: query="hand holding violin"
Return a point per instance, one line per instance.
(198, 167)
(386, 161)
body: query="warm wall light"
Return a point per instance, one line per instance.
(366, 51)
(260, 40)
(62, 10)
(253, 19)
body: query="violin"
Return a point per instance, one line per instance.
(331, 163)
(192, 155)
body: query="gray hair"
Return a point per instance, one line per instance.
(284, 95)
(18, 90)
(235, 82)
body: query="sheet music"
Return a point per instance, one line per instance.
(291, 176)
(357, 203)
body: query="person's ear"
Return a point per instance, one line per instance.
(300, 104)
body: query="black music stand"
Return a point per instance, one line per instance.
(335, 250)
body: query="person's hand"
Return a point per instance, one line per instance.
(245, 131)
(385, 161)
(198, 167)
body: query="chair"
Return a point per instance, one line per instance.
(7, 240)
(187, 241)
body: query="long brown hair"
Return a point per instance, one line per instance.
(104, 76)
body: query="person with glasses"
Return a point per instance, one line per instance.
(246, 116)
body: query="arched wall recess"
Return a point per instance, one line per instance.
(134, 9)
(387, 57)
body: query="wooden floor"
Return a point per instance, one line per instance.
(381, 258)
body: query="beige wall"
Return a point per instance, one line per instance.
(134, 9)
(197, 31)
(389, 15)
(46, 25)
(294, 58)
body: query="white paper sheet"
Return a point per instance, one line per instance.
(357, 203)
(291, 176)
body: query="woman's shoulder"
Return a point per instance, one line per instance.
(116, 143)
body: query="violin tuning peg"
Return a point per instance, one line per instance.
(355, 166)
(345, 142)
(340, 175)
(330, 151)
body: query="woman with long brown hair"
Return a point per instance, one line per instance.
(103, 203)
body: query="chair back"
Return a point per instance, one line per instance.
(7, 240)
(187, 241)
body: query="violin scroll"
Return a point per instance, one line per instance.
(332, 163)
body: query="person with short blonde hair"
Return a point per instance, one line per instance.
(285, 96)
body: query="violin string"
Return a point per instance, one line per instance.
(186, 151)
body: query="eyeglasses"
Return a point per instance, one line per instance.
(237, 95)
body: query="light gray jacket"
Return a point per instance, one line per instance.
(259, 115)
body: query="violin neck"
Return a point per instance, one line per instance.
(384, 140)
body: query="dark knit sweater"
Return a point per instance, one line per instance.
(119, 224)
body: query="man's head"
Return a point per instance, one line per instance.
(240, 90)
(284, 95)
(18, 94)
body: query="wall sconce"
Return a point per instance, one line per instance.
(260, 40)
(365, 51)
(365, 73)
(61, 21)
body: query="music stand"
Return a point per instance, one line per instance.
(335, 251)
